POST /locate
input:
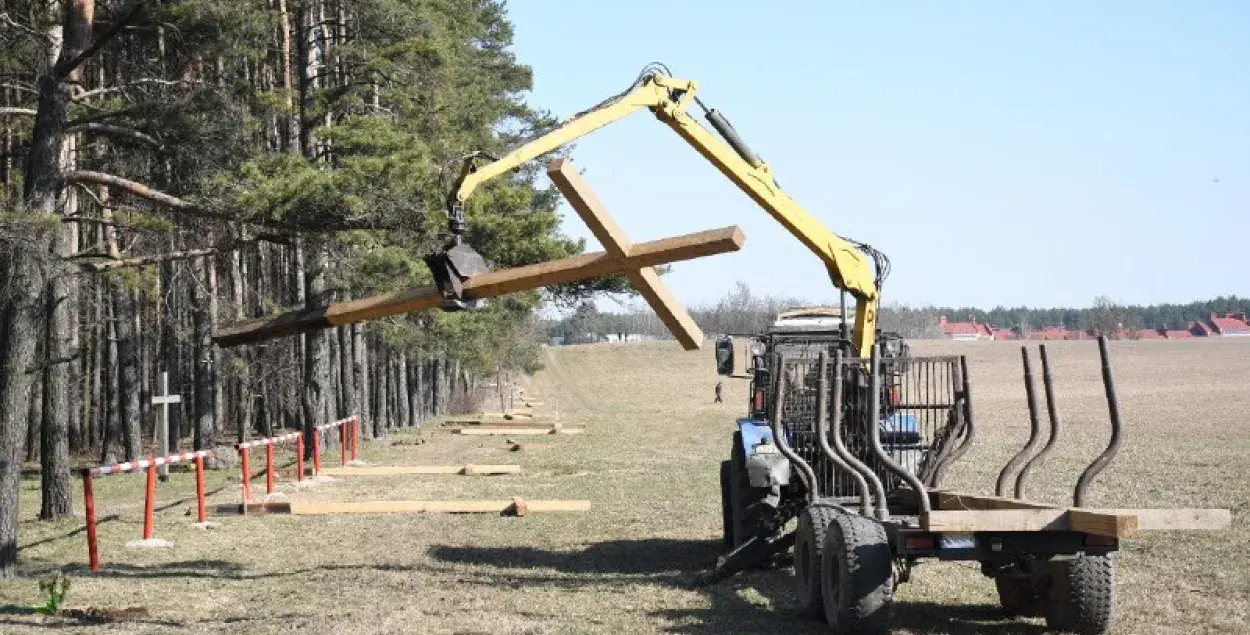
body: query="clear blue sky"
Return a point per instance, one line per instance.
(999, 152)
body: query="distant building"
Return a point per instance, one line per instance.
(965, 330)
(1231, 325)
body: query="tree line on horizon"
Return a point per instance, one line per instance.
(742, 311)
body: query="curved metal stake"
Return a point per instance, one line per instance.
(1113, 407)
(969, 431)
(1052, 412)
(874, 434)
(805, 470)
(1034, 429)
(822, 429)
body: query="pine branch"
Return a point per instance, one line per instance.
(116, 131)
(6, 110)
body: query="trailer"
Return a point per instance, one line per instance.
(855, 449)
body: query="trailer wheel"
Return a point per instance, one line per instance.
(726, 505)
(1082, 595)
(809, 545)
(856, 576)
(1018, 596)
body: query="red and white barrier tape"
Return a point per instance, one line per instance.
(269, 441)
(335, 424)
(129, 466)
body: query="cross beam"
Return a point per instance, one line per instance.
(645, 280)
(488, 285)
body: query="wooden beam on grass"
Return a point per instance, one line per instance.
(646, 280)
(487, 285)
(317, 508)
(400, 470)
(496, 431)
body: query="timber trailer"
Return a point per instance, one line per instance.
(856, 448)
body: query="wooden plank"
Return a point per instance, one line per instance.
(399, 470)
(252, 508)
(646, 280)
(996, 520)
(488, 285)
(516, 431)
(503, 423)
(1177, 519)
(1046, 519)
(315, 508)
(1102, 524)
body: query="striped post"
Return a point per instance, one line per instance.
(268, 468)
(299, 457)
(201, 514)
(149, 502)
(88, 503)
(355, 437)
(316, 452)
(247, 475)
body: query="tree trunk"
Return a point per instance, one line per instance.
(128, 385)
(359, 373)
(316, 358)
(111, 446)
(54, 438)
(203, 360)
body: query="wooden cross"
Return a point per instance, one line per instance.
(162, 428)
(645, 279)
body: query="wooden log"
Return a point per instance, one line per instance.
(645, 279)
(399, 470)
(315, 508)
(516, 431)
(511, 430)
(1182, 519)
(958, 500)
(488, 285)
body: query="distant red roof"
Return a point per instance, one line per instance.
(1003, 334)
(968, 329)
(1178, 335)
(1231, 324)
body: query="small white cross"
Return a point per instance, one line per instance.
(162, 428)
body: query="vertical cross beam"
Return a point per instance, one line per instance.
(645, 280)
(162, 427)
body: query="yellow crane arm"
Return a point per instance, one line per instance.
(668, 98)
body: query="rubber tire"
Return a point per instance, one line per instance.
(857, 576)
(1082, 595)
(747, 504)
(726, 506)
(1019, 597)
(809, 547)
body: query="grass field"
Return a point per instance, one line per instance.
(648, 462)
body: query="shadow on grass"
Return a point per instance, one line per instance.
(212, 569)
(756, 601)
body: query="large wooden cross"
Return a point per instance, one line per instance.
(645, 280)
(636, 260)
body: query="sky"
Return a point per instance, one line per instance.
(1000, 153)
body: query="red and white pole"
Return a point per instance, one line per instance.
(316, 452)
(269, 468)
(202, 513)
(88, 503)
(299, 457)
(247, 475)
(343, 444)
(149, 503)
(355, 437)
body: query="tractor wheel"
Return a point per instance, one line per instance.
(857, 576)
(1082, 595)
(1018, 596)
(748, 505)
(809, 545)
(726, 505)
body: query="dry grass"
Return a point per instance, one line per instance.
(648, 462)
